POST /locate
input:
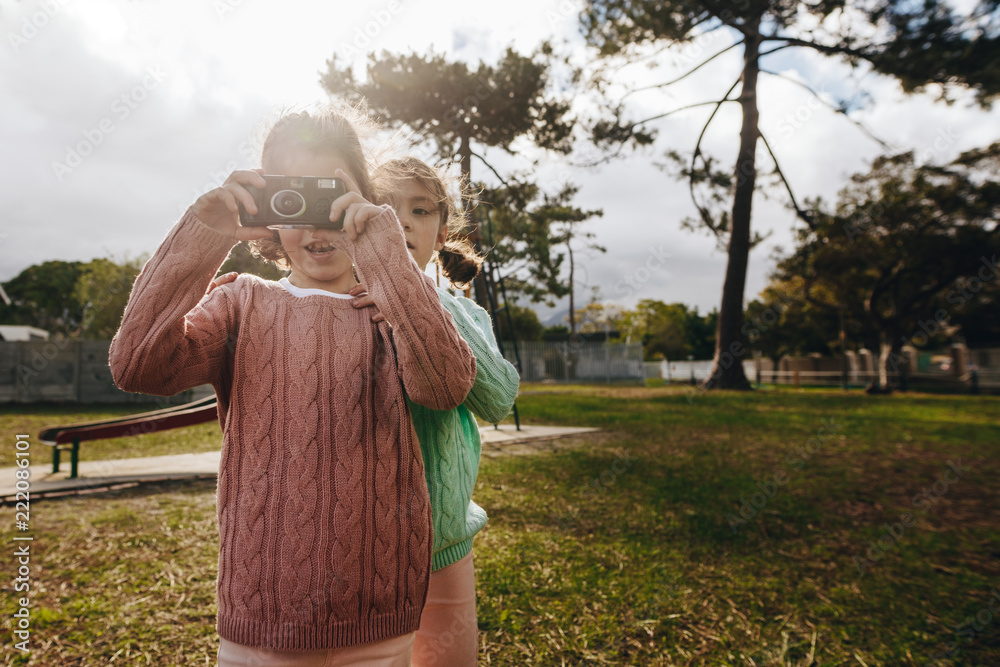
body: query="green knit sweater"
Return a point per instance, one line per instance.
(449, 439)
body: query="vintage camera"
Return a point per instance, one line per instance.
(294, 201)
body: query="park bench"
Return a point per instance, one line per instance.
(68, 438)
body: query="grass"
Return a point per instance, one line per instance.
(666, 539)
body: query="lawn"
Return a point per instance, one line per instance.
(773, 528)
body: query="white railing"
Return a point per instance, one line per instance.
(614, 362)
(565, 361)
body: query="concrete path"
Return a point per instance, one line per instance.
(121, 473)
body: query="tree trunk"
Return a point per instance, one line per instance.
(727, 371)
(887, 360)
(572, 306)
(475, 231)
(573, 347)
(890, 360)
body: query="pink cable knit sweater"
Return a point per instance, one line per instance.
(324, 517)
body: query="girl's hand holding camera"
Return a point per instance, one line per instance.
(219, 208)
(357, 209)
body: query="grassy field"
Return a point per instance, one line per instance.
(772, 528)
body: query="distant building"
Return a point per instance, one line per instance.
(16, 332)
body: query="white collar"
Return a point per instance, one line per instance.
(310, 291)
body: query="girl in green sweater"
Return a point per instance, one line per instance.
(449, 439)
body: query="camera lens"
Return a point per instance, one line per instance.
(288, 204)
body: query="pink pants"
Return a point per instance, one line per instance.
(449, 635)
(393, 652)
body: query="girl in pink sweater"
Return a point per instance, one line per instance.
(324, 519)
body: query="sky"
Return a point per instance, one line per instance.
(117, 114)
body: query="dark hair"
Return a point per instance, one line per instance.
(323, 130)
(458, 259)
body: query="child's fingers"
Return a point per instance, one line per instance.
(252, 177)
(357, 290)
(365, 301)
(210, 203)
(360, 214)
(348, 182)
(238, 180)
(342, 203)
(242, 196)
(357, 220)
(219, 208)
(357, 211)
(224, 279)
(354, 220)
(348, 228)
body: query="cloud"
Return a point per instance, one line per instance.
(225, 72)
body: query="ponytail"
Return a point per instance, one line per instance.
(459, 261)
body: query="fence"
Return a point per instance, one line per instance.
(588, 361)
(76, 371)
(953, 369)
(65, 371)
(986, 363)
(696, 371)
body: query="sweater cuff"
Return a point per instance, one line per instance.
(450, 555)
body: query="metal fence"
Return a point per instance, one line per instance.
(76, 371)
(64, 371)
(586, 362)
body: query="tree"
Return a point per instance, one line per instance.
(598, 317)
(103, 288)
(660, 327)
(919, 43)
(783, 322)
(978, 320)
(527, 327)
(42, 296)
(699, 333)
(462, 110)
(672, 331)
(555, 334)
(527, 232)
(912, 244)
